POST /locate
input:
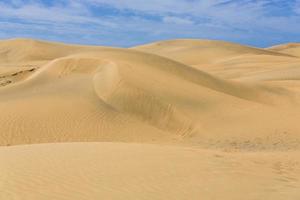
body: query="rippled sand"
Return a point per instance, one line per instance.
(180, 119)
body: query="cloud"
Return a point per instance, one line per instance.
(55, 14)
(240, 14)
(177, 20)
(130, 22)
(297, 7)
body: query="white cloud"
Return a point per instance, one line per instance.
(137, 21)
(297, 7)
(73, 13)
(246, 14)
(177, 20)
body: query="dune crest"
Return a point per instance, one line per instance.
(180, 119)
(78, 93)
(195, 52)
(290, 48)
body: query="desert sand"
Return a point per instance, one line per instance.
(178, 119)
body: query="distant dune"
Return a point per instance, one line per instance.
(236, 107)
(195, 52)
(224, 59)
(290, 48)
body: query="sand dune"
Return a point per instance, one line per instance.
(119, 93)
(224, 59)
(28, 50)
(290, 48)
(223, 108)
(195, 52)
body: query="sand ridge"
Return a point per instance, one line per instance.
(132, 86)
(141, 92)
(219, 117)
(289, 48)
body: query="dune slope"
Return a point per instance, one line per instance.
(195, 52)
(108, 94)
(222, 120)
(290, 48)
(224, 59)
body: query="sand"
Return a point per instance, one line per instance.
(142, 171)
(180, 119)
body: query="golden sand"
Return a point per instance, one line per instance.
(197, 119)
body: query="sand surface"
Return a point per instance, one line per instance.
(180, 119)
(82, 171)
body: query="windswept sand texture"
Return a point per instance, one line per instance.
(197, 119)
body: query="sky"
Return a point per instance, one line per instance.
(126, 23)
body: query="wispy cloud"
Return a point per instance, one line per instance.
(129, 22)
(177, 20)
(70, 13)
(297, 7)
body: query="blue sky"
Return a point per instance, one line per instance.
(131, 22)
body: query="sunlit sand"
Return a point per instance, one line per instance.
(180, 119)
